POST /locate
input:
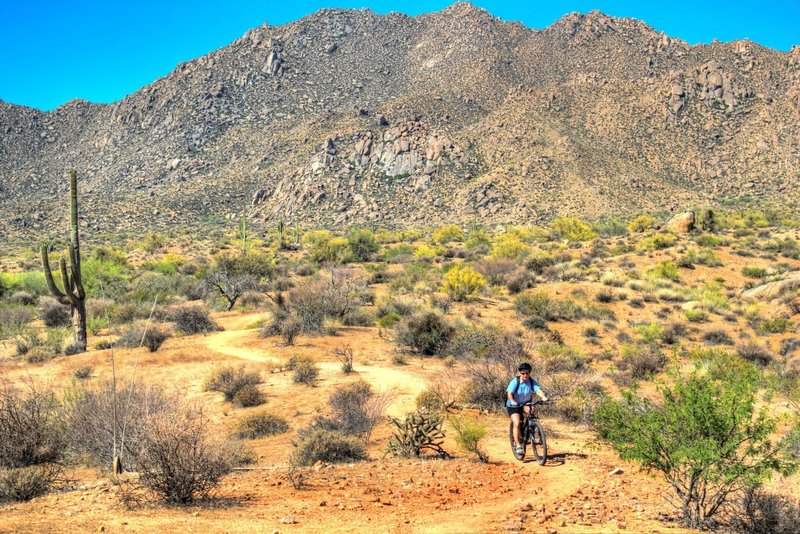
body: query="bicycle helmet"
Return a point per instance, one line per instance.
(524, 366)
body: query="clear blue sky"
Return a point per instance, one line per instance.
(52, 51)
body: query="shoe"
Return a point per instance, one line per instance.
(520, 449)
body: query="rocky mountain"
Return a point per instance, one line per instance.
(347, 116)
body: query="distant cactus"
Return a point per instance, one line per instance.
(73, 294)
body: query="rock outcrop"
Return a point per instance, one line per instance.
(348, 116)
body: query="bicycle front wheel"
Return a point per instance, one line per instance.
(538, 442)
(517, 455)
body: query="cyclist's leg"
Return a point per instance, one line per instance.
(515, 418)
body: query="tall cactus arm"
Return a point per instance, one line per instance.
(48, 276)
(73, 217)
(68, 281)
(75, 269)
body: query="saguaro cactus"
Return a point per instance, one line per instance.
(73, 293)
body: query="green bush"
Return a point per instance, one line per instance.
(778, 325)
(469, 432)
(572, 229)
(658, 242)
(261, 424)
(754, 272)
(706, 437)
(665, 270)
(447, 234)
(362, 244)
(427, 333)
(462, 282)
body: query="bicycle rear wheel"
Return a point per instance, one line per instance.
(538, 442)
(523, 438)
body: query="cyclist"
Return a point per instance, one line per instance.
(520, 390)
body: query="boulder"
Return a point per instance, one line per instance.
(682, 223)
(773, 290)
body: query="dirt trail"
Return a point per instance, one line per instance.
(573, 492)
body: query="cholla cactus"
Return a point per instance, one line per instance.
(73, 293)
(418, 432)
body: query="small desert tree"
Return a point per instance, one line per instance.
(233, 275)
(705, 436)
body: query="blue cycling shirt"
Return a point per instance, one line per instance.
(524, 391)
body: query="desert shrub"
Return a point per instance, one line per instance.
(247, 396)
(93, 416)
(473, 340)
(321, 445)
(538, 261)
(762, 512)
(572, 229)
(31, 443)
(754, 272)
(334, 250)
(355, 410)
(389, 320)
(580, 403)
(23, 298)
(509, 247)
(778, 325)
(534, 304)
(177, 459)
(695, 315)
(650, 333)
(672, 333)
(25, 483)
(84, 372)
(665, 270)
(261, 424)
(39, 354)
(754, 353)
(447, 234)
(151, 337)
(363, 244)
(192, 319)
(519, 281)
(658, 242)
(13, 320)
(462, 282)
(429, 400)
(321, 299)
(306, 371)
(643, 361)
(427, 333)
(345, 356)
(229, 380)
(417, 433)
(706, 437)
(496, 271)
(717, 337)
(469, 432)
(54, 314)
(441, 301)
(641, 223)
(605, 296)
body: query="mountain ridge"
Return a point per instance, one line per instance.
(346, 116)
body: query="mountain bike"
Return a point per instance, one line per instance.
(531, 432)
